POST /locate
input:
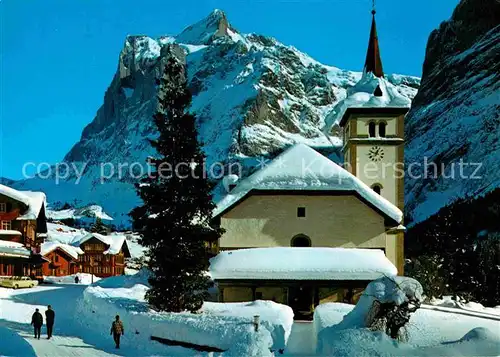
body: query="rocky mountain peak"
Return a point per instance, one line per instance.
(471, 20)
(207, 30)
(252, 96)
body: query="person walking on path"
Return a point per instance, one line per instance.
(50, 316)
(117, 330)
(77, 280)
(37, 322)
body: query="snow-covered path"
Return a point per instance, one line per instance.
(62, 346)
(16, 308)
(302, 340)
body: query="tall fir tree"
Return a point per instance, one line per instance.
(177, 211)
(99, 227)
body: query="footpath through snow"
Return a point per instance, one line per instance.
(17, 306)
(87, 333)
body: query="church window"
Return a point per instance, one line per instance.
(371, 129)
(381, 129)
(300, 240)
(377, 188)
(301, 211)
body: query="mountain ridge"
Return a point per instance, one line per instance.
(455, 116)
(252, 95)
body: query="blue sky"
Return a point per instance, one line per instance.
(59, 56)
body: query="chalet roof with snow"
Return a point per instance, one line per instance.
(72, 251)
(293, 263)
(115, 242)
(301, 168)
(33, 201)
(13, 249)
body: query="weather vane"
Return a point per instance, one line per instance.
(373, 7)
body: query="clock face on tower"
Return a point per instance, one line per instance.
(376, 153)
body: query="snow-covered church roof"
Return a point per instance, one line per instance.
(293, 263)
(302, 168)
(371, 92)
(33, 200)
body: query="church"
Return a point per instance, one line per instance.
(304, 230)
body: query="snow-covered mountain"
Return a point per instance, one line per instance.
(253, 96)
(456, 113)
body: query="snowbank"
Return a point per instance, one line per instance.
(471, 306)
(225, 326)
(329, 314)
(430, 333)
(16, 344)
(277, 318)
(363, 342)
(83, 278)
(395, 290)
(301, 264)
(127, 281)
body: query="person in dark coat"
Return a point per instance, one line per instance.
(77, 280)
(37, 322)
(117, 330)
(50, 316)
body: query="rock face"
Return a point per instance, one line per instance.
(252, 96)
(456, 114)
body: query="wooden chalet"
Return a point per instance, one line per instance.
(103, 255)
(62, 259)
(23, 227)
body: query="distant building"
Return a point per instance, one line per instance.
(103, 255)
(23, 227)
(62, 259)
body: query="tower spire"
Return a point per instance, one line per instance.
(373, 61)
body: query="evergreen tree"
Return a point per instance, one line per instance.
(175, 217)
(99, 227)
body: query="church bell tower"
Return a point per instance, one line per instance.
(373, 130)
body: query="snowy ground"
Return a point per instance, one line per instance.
(16, 308)
(86, 334)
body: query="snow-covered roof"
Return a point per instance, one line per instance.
(114, 241)
(14, 194)
(34, 201)
(302, 168)
(293, 263)
(48, 247)
(10, 232)
(362, 95)
(13, 249)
